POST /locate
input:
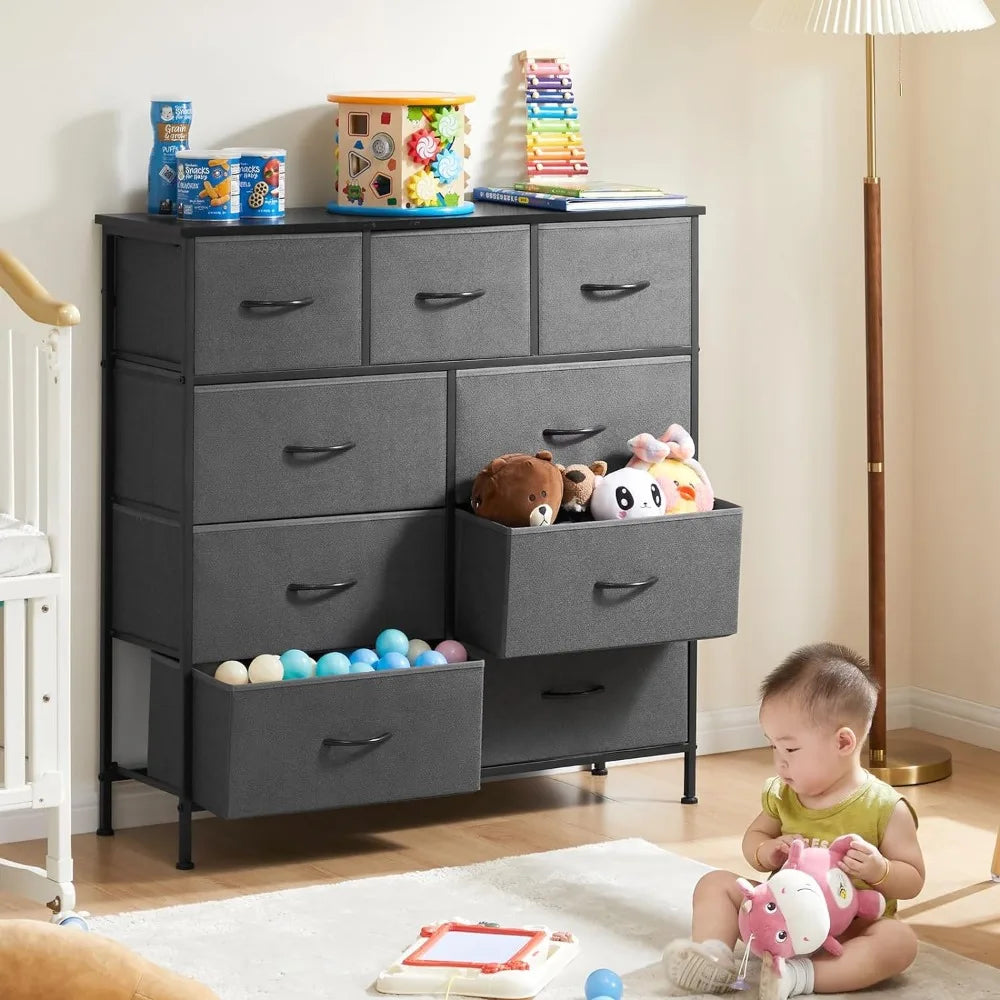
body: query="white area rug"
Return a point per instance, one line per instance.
(623, 900)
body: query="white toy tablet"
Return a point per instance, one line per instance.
(480, 960)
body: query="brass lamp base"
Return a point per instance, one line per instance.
(907, 762)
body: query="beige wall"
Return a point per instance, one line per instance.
(955, 147)
(767, 131)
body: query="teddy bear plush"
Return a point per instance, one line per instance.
(519, 490)
(40, 960)
(670, 460)
(578, 486)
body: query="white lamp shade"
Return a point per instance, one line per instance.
(872, 17)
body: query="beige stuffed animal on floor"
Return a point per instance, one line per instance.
(40, 961)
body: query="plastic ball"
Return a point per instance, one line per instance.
(415, 648)
(392, 661)
(452, 650)
(391, 640)
(603, 983)
(364, 655)
(266, 668)
(297, 665)
(232, 672)
(362, 668)
(430, 658)
(331, 664)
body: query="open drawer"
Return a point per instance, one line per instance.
(321, 743)
(597, 584)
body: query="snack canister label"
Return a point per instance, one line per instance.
(262, 183)
(208, 185)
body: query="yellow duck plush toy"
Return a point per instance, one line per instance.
(40, 961)
(670, 460)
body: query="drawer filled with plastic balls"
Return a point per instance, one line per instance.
(327, 735)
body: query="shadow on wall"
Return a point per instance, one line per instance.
(499, 160)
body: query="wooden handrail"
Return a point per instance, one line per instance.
(25, 289)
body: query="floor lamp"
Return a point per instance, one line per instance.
(904, 763)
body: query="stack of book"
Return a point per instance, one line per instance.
(573, 196)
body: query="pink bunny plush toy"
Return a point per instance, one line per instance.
(806, 905)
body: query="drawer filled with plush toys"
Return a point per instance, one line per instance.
(553, 558)
(296, 732)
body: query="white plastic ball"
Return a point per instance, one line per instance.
(266, 668)
(415, 648)
(232, 672)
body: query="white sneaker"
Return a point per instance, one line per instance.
(698, 967)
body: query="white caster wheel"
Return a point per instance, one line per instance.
(71, 919)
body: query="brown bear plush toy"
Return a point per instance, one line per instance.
(578, 486)
(519, 490)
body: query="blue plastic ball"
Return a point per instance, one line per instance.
(430, 658)
(363, 656)
(330, 664)
(391, 640)
(362, 668)
(603, 983)
(297, 665)
(392, 661)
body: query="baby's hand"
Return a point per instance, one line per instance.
(865, 861)
(774, 853)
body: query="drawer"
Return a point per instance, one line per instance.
(370, 572)
(385, 438)
(449, 296)
(277, 304)
(646, 263)
(579, 412)
(266, 748)
(597, 584)
(581, 704)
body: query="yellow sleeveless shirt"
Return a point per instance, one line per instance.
(865, 813)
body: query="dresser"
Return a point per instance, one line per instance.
(293, 414)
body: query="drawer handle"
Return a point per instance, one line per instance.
(627, 286)
(296, 588)
(319, 449)
(466, 296)
(331, 742)
(276, 303)
(572, 431)
(596, 689)
(637, 585)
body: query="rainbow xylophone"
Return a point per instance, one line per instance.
(553, 146)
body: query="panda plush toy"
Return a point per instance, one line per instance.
(625, 495)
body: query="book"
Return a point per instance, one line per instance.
(560, 203)
(599, 190)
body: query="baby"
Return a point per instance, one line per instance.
(816, 710)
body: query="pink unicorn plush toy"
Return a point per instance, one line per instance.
(670, 460)
(806, 905)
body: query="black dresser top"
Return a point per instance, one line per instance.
(319, 220)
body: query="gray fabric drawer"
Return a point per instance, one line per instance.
(405, 267)
(502, 410)
(236, 332)
(259, 749)
(575, 317)
(544, 708)
(527, 591)
(242, 572)
(396, 425)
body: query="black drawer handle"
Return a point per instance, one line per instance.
(627, 286)
(276, 303)
(637, 585)
(572, 432)
(319, 449)
(296, 588)
(331, 742)
(596, 689)
(466, 296)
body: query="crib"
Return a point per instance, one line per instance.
(35, 393)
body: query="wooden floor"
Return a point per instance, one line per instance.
(959, 908)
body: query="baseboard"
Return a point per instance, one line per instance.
(720, 731)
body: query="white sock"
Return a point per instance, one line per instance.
(800, 971)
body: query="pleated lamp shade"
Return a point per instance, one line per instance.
(872, 17)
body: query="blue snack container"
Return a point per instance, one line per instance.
(262, 182)
(208, 185)
(171, 121)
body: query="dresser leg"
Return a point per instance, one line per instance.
(105, 828)
(598, 769)
(184, 862)
(689, 798)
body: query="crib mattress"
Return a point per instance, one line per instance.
(23, 549)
